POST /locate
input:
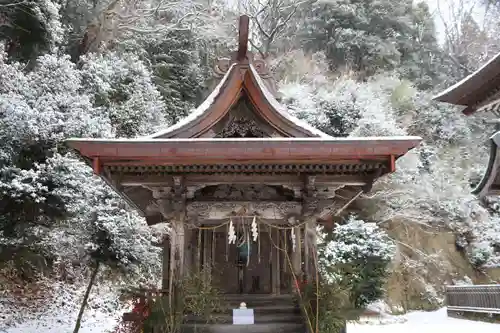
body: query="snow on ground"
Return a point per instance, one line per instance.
(418, 322)
(98, 321)
(59, 315)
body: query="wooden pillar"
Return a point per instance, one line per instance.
(310, 249)
(207, 260)
(166, 263)
(205, 248)
(297, 257)
(278, 262)
(177, 242)
(188, 250)
(198, 249)
(272, 258)
(306, 254)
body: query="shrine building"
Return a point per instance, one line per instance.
(241, 182)
(479, 93)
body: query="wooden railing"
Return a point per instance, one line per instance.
(473, 298)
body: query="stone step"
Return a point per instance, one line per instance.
(290, 309)
(258, 301)
(257, 297)
(273, 314)
(269, 317)
(256, 328)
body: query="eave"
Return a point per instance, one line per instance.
(475, 88)
(358, 161)
(240, 151)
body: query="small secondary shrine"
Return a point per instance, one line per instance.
(480, 93)
(241, 182)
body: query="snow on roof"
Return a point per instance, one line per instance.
(283, 112)
(202, 109)
(328, 139)
(459, 83)
(496, 138)
(198, 112)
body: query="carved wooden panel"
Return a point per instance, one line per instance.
(222, 210)
(243, 121)
(227, 192)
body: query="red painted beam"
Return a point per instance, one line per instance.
(96, 165)
(392, 165)
(246, 151)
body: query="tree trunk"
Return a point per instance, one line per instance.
(86, 297)
(343, 329)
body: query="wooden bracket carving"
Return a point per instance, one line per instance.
(170, 201)
(241, 128)
(310, 185)
(210, 210)
(310, 205)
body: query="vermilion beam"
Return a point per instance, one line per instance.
(96, 165)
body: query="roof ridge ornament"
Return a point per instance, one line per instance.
(246, 58)
(243, 37)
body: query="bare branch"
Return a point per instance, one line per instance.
(258, 48)
(13, 4)
(271, 18)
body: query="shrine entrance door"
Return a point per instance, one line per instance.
(233, 273)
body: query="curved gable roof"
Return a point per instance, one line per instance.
(240, 78)
(475, 88)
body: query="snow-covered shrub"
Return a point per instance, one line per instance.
(479, 255)
(51, 200)
(297, 66)
(346, 107)
(353, 260)
(37, 110)
(360, 252)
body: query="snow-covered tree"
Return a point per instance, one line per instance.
(178, 72)
(30, 28)
(359, 252)
(346, 107)
(45, 192)
(371, 36)
(122, 87)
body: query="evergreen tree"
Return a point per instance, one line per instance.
(41, 187)
(373, 36)
(30, 28)
(422, 60)
(177, 73)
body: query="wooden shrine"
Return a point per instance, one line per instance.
(480, 93)
(241, 182)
